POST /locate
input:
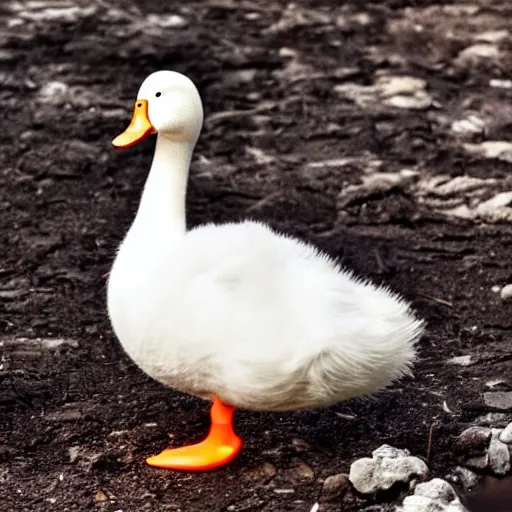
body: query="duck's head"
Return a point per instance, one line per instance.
(168, 103)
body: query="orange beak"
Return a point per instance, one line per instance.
(140, 127)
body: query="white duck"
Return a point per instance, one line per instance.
(237, 312)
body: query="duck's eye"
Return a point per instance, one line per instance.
(158, 94)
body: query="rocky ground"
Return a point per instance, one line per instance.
(380, 131)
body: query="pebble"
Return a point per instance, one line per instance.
(476, 53)
(335, 487)
(387, 466)
(506, 292)
(436, 495)
(500, 149)
(473, 441)
(479, 462)
(501, 400)
(261, 473)
(468, 479)
(506, 434)
(499, 457)
(300, 471)
(436, 489)
(461, 360)
(499, 419)
(167, 20)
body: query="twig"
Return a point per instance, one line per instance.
(435, 299)
(430, 436)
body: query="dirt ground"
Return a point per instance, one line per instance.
(309, 128)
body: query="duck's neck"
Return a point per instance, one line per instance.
(162, 206)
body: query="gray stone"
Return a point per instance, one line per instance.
(473, 440)
(501, 400)
(496, 419)
(335, 487)
(262, 473)
(506, 292)
(479, 462)
(506, 434)
(468, 479)
(499, 457)
(436, 489)
(421, 504)
(389, 452)
(388, 466)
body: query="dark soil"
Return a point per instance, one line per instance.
(78, 419)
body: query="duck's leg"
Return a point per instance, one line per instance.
(221, 445)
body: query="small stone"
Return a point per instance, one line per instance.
(300, 445)
(500, 83)
(54, 93)
(477, 53)
(506, 292)
(436, 489)
(64, 416)
(167, 20)
(389, 452)
(473, 440)
(461, 360)
(499, 457)
(73, 453)
(55, 343)
(300, 471)
(335, 487)
(100, 497)
(495, 383)
(492, 36)
(499, 149)
(420, 504)
(506, 434)
(501, 400)
(471, 124)
(498, 419)
(468, 479)
(495, 433)
(479, 462)
(261, 473)
(388, 466)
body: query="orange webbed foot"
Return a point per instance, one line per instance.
(220, 447)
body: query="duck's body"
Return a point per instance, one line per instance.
(261, 320)
(238, 311)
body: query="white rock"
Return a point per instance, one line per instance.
(390, 452)
(54, 92)
(500, 149)
(501, 400)
(506, 292)
(436, 489)
(435, 495)
(167, 20)
(467, 478)
(471, 124)
(418, 101)
(492, 36)
(479, 462)
(493, 418)
(461, 360)
(388, 466)
(421, 504)
(478, 52)
(500, 84)
(499, 457)
(393, 85)
(506, 434)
